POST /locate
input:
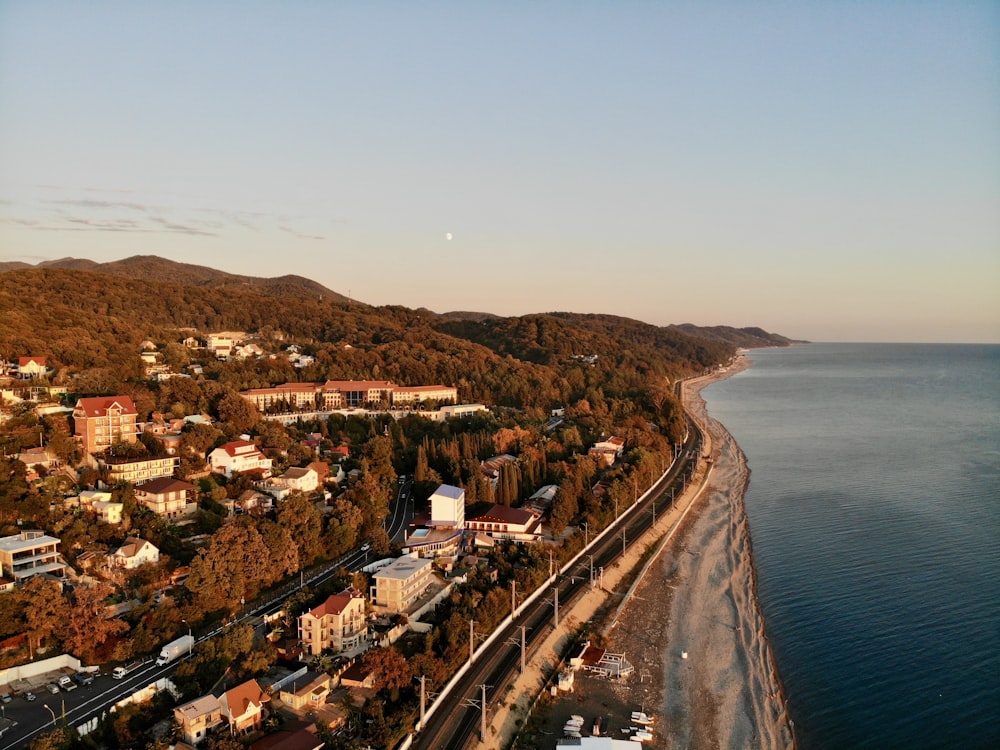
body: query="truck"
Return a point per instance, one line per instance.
(66, 683)
(120, 672)
(176, 648)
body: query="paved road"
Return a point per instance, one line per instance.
(86, 702)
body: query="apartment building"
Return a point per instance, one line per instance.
(138, 470)
(30, 553)
(102, 421)
(338, 623)
(398, 585)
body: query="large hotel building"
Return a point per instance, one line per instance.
(346, 394)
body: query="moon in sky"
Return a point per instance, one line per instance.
(447, 235)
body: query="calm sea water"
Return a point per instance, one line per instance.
(874, 509)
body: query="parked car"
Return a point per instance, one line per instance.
(83, 678)
(5, 698)
(29, 696)
(67, 684)
(52, 688)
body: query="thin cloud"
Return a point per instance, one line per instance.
(300, 235)
(88, 203)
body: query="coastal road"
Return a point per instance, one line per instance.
(455, 724)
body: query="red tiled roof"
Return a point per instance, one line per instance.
(98, 406)
(336, 603)
(358, 385)
(23, 361)
(242, 697)
(504, 514)
(233, 448)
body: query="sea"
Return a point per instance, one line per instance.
(874, 511)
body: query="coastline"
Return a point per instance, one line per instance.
(727, 693)
(688, 621)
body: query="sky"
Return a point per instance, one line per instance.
(825, 170)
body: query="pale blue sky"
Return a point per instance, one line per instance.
(826, 170)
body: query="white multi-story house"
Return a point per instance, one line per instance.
(30, 553)
(167, 497)
(31, 367)
(398, 585)
(108, 511)
(301, 479)
(338, 624)
(133, 553)
(502, 522)
(198, 717)
(138, 470)
(448, 507)
(239, 456)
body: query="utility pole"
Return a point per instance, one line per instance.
(423, 701)
(623, 541)
(591, 571)
(482, 721)
(523, 644)
(556, 590)
(513, 598)
(472, 640)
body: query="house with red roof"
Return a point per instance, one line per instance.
(338, 624)
(243, 707)
(240, 456)
(102, 421)
(31, 367)
(502, 522)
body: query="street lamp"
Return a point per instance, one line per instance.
(51, 712)
(190, 640)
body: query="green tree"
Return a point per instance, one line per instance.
(90, 624)
(231, 569)
(45, 610)
(390, 670)
(304, 524)
(238, 412)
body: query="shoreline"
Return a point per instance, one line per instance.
(682, 606)
(753, 711)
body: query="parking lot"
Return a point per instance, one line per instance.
(40, 699)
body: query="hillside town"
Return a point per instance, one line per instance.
(265, 566)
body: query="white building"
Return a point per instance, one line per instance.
(398, 585)
(239, 456)
(448, 507)
(30, 553)
(133, 553)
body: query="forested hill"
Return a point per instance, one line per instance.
(155, 268)
(746, 338)
(89, 321)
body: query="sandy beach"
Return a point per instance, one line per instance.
(691, 626)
